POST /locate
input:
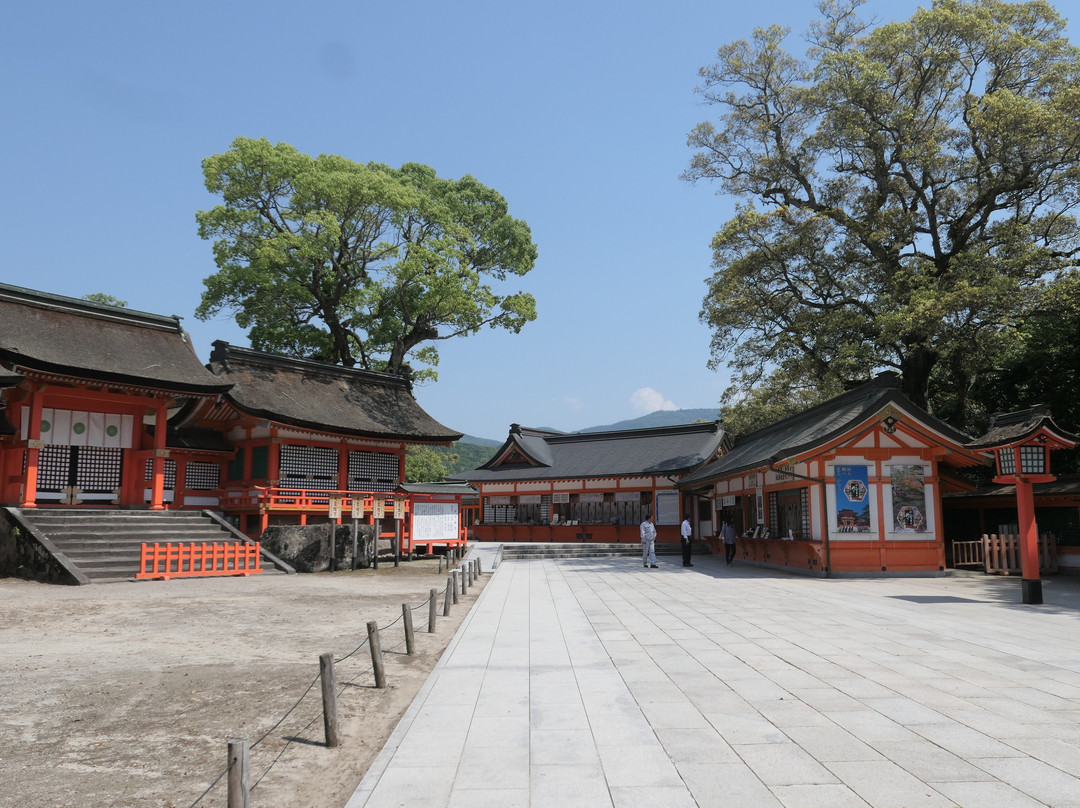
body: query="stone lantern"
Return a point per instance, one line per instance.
(1021, 443)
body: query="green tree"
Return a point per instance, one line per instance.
(103, 299)
(907, 193)
(427, 464)
(358, 264)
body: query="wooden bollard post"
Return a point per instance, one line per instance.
(329, 700)
(440, 563)
(376, 653)
(457, 585)
(468, 574)
(479, 567)
(410, 643)
(432, 596)
(239, 774)
(446, 598)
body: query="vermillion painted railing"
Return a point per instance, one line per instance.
(180, 560)
(307, 501)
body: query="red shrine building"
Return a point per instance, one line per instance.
(543, 485)
(108, 408)
(855, 484)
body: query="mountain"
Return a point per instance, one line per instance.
(660, 418)
(494, 444)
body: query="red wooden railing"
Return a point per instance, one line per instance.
(271, 499)
(180, 560)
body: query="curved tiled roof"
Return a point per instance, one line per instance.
(633, 452)
(316, 395)
(62, 335)
(816, 427)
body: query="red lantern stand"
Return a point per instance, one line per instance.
(1021, 443)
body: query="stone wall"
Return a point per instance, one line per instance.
(306, 548)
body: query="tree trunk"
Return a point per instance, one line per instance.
(915, 370)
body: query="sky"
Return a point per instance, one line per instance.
(576, 112)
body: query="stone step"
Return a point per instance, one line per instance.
(106, 545)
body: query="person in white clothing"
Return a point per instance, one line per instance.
(686, 532)
(648, 542)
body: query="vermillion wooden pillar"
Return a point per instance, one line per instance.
(33, 451)
(1029, 542)
(157, 487)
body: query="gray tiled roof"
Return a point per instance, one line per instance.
(1014, 427)
(636, 452)
(816, 426)
(55, 334)
(315, 395)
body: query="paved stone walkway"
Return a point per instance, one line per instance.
(597, 683)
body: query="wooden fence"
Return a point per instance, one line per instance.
(1000, 553)
(198, 560)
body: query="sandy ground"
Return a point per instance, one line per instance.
(127, 694)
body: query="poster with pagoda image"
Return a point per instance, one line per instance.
(852, 499)
(908, 499)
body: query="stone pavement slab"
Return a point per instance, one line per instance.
(597, 683)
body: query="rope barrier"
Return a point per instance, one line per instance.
(422, 605)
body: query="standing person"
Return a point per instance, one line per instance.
(686, 531)
(727, 533)
(648, 542)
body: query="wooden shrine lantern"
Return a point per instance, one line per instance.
(1021, 443)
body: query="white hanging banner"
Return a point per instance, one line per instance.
(80, 428)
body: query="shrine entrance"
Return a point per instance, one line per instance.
(79, 475)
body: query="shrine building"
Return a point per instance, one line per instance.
(548, 486)
(854, 484)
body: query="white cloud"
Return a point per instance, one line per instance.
(646, 400)
(573, 403)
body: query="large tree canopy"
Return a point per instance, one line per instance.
(907, 193)
(358, 264)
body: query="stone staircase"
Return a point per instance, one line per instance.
(528, 550)
(105, 545)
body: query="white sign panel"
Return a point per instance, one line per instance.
(667, 508)
(435, 521)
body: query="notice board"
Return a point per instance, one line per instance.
(435, 521)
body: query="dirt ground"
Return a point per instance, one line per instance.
(127, 694)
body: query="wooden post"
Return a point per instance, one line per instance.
(376, 525)
(333, 550)
(376, 654)
(432, 596)
(410, 643)
(355, 542)
(329, 700)
(457, 586)
(446, 598)
(239, 774)
(440, 563)
(397, 542)
(1031, 582)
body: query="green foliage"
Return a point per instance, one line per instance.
(424, 464)
(468, 456)
(909, 194)
(103, 299)
(777, 397)
(432, 464)
(358, 264)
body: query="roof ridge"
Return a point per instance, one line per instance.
(101, 311)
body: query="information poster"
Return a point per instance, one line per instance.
(908, 499)
(435, 521)
(667, 508)
(852, 499)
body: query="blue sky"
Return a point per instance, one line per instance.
(576, 112)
